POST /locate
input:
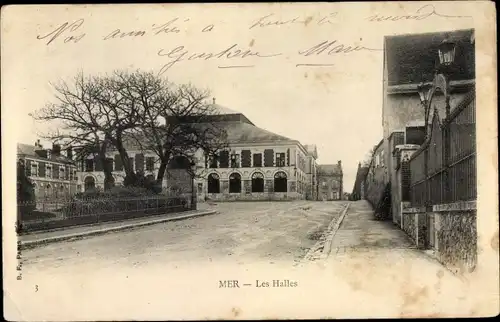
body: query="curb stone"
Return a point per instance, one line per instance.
(321, 249)
(99, 231)
(336, 225)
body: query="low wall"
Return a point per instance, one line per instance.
(451, 230)
(413, 224)
(456, 235)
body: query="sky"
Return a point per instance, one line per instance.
(312, 73)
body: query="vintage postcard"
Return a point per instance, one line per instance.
(249, 161)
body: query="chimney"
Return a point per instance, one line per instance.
(213, 99)
(56, 149)
(69, 153)
(37, 144)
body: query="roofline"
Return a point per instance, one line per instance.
(36, 158)
(378, 145)
(429, 33)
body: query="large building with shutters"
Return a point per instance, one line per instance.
(258, 165)
(52, 171)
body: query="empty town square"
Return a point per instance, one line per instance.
(243, 232)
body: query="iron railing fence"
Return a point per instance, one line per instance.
(47, 214)
(443, 170)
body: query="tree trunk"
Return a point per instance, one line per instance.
(106, 167)
(130, 177)
(161, 172)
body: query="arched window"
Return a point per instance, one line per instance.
(257, 182)
(280, 182)
(213, 183)
(235, 183)
(89, 183)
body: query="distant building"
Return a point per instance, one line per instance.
(54, 174)
(312, 172)
(330, 181)
(359, 189)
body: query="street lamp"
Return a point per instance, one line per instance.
(446, 51)
(424, 91)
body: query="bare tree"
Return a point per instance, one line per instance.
(177, 123)
(80, 119)
(101, 113)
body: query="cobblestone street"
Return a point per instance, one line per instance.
(242, 232)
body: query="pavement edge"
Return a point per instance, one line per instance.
(38, 242)
(326, 243)
(327, 248)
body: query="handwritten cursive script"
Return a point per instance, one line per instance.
(421, 14)
(180, 53)
(65, 29)
(270, 20)
(333, 47)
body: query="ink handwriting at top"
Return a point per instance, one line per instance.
(180, 53)
(269, 20)
(67, 31)
(421, 14)
(333, 47)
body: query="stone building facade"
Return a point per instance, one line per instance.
(91, 176)
(52, 171)
(258, 165)
(330, 182)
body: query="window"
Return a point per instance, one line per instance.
(62, 173)
(235, 183)
(213, 183)
(235, 160)
(257, 160)
(131, 163)
(150, 163)
(257, 182)
(212, 161)
(89, 165)
(75, 177)
(280, 159)
(280, 182)
(34, 169)
(48, 171)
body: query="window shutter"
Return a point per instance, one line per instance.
(109, 163)
(66, 172)
(269, 158)
(139, 162)
(41, 169)
(98, 164)
(224, 159)
(246, 158)
(288, 157)
(118, 163)
(28, 168)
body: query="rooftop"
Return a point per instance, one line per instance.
(411, 59)
(30, 151)
(330, 169)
